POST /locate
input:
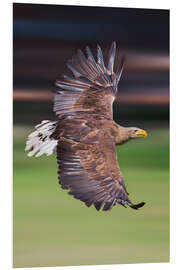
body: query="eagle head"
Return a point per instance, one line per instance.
(135, 132)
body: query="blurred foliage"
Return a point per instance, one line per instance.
(51, 228)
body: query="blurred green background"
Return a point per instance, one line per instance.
(51, 228)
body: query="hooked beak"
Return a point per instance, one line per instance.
(141, 133)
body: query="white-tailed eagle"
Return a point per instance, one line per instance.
(85, 135)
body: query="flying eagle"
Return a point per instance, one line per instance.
(85, 135)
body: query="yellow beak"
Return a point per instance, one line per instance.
(141, 133)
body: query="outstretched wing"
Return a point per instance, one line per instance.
(93, 88)
(90, 170)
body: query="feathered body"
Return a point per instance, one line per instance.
(85, 134)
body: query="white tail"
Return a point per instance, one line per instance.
(39, 141)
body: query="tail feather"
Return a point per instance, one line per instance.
(40, 142)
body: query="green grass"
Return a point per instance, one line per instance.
(51, 228)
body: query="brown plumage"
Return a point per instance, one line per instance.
(86, 134)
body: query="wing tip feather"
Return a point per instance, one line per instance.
(137, 206)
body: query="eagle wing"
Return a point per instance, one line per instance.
(88, 165)
(90, 170)
(93, 88)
